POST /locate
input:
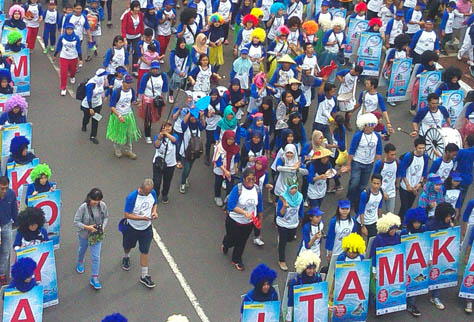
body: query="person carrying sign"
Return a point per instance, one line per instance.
(262, 278)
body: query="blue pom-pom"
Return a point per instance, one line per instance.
(17, 143)
(262, 272)
(116, 317)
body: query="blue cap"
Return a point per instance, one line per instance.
(155, 64)
(68, 26)
(344, 204)
(169, 3)
(325, 3)
(452, 4)
(421, 4)
(315, 211)
(121, 70)
(149, 6)
(429, 21)
(436, 179)
(244, 51)
(128, 79)
(456, 176)
(400, 13)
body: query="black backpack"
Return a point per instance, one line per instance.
(195, 147)
(81, 90)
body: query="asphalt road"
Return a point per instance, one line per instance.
(191, 226)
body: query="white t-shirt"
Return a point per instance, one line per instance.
(365, 152)
(248, 201)
(452, 196)
(170, 158)
(445, 169)
(414, 172)
(431, 119)
(143, 208)
(342, 229)
(290, 220)
(371, 209)
(389, 176)
(316, 247)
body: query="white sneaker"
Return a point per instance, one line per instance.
(63, 92)
(79, 66)
(182, 188)
(187, 183)
(224, 184)
(148, 140)
(218, 201)
(437, 302)
(257, 241)
(306, 204)
(468, 307)
(459, 55)
(170, 99)
(73, 80)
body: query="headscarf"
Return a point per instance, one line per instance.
(259, 173)
(250, 146)
(180, 52)
(463, 6)
(429, 195)
(224, 149)
(315, 138)
(245, 10)
(296, 128)
(294, 159)
(224, 123)
(296, 94)
(268, 118)
(284, 137)
(198, 46)
(293, 200)
(253, 127)
(258, 79)
(235, 96)
(41, 187)
(214, 104)
(242, 66)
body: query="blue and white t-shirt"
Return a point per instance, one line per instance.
(141, 206)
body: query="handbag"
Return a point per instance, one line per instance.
(342, 157)
(160, 162)
(158, 101)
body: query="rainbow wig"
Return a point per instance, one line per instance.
(215, 17)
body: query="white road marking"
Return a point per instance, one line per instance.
(182, 281)
(56, 68)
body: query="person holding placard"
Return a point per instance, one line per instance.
(40, 175)
(14, 111)
(262, 278)
(19, 151)
(31, 229)
(8, 216)
(23, 275)
(353, 247)
(16, 14)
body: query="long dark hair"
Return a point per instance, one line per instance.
(95, 194)
(338, 215)
(116, 38)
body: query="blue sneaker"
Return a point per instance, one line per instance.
(80, 267)
(95, 283)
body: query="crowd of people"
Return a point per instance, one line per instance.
(287, 63)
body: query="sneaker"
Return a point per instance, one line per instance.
(94, 140)
(88, 58)
(413, 310)
(339, 188)
(95, 283)
(109, 23)
(63, 92)
(45, 50)
(224, 185)
(79, 65)
(182, 188)
(224, 249)
(392, 104)
(3, 280)
(468, 308)
(283, 266)
(135, 74)
(437, 302)
(443, 52)
(118, 154)
(52, 49)
(306, 204)
(257, 241)
(80, 267)
(73, 80)
(148, 140)
(126, 263)
(458, 56)
(187, 183)
(332, 190)
(171, 99)
(147, 281)
(130, 154)
(238, 266)
(218, 201)
(164, 199)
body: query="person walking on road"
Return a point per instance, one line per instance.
(91, 219)
(8, 215)
(140, 210)
(69, 50)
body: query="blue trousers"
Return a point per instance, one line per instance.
(95, 254)
(49, 34)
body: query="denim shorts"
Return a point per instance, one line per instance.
(144, 238)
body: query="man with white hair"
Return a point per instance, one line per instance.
(365, 149)
(140, 210)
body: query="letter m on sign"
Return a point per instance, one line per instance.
(21, 67)
(391, 272)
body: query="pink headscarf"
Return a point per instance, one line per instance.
(259, 79)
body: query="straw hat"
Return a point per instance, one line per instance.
(321, 153)
(294, 81)
(286, 59)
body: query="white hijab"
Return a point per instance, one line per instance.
(290, 162)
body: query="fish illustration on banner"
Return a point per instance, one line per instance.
(390, 285)
(351, 291)
(429, 81)
(370, 53)
(454, 103)
(50, 203)
(7, 30)
(399, 79)
(3, 99)
(21, 71)
(417, 249)
(355, 28)
(261, 311)
(467, 286)
(311, 300)
(45, 273)
(338, 12)
(19, 176)
(10, 131)
(444, 258)
(23, 306)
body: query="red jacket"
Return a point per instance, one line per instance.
(127, 25)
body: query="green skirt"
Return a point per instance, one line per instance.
(237, 28)
(118, 132)
(318, 49)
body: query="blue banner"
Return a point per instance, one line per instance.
(338, 12)
(10, 131)
(399, 79)
(19, 175)
(369, 54)
(50, 203)
(2, 5)
(417, 250)
(8, 29)
(454, 103)
(3, 99)
(444, 258)
(19, 306)
(355, 28)
(311, 300)
(261, 311)
(351, 291)
(467, 287)
(429, 81)
(21, 71)
(45, 274)
(390, 283)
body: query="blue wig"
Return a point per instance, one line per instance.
(116, 317)
(17, 143)
(415, 214)
(262, 273)
(276, 7)
(21, 270)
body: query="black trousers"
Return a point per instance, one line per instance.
(371, 230)
(86, 118)
(133, 49)
(286, 235)
(218, 185)
(406, 201)
(371, 14)
(236, 236)
(165, 175)
(109, 8)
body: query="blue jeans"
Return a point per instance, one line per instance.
(360, 175)
(315, 202)
(5, 248)
(95, 254)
